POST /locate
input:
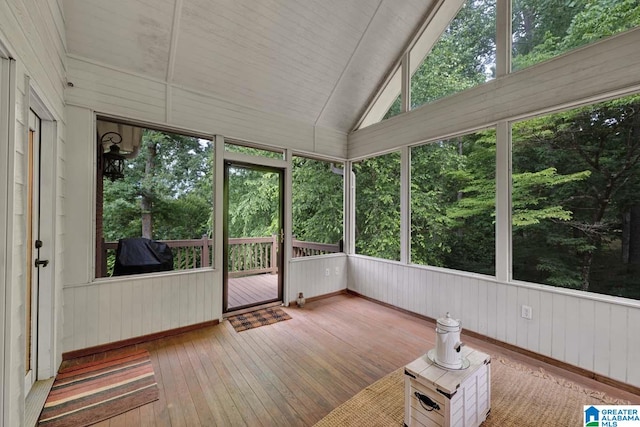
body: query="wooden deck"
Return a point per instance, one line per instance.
(291, 373)
(252, 289)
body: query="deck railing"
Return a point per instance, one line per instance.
(253, 255)
(302, 249)
(187, 254)
(247, 255)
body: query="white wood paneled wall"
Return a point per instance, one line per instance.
(132, 96)
(594, 332)
(309, 275)
(34, 36)
(117, 309)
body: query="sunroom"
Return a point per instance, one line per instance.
(387, 161)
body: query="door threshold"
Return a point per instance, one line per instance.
(35, 401)
(250, 309)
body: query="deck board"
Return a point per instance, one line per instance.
(291, 373)
(250, 290)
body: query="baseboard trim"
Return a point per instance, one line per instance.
(537, 356)
(135, 340)
(319, 297)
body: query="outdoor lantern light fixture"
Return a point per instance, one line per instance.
(112, 160)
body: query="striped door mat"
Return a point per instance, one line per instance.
(88, 393)
(257, 318)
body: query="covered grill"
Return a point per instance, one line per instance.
(139, 255)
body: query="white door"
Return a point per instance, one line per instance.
(32, 247)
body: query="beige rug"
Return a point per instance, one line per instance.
(520, 397)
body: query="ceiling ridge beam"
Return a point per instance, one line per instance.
(347, 65)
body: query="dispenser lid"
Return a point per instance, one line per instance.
(448, 321)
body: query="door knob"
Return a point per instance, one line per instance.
(42, 263)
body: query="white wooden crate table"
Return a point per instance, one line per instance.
(435, 396)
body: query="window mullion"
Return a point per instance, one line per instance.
(503, 202)
(503, 37)
(405, 91)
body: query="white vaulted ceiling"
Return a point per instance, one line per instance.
(318, 61)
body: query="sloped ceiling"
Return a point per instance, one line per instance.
(318, 61)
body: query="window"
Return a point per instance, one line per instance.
(462, 58)
(164, 194)
(453, 203)
(454, 53)
(576, 198)
(543, 30)
(317, 206)
(252, 151)
(377, 185)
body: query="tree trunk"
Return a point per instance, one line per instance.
(631, 236)
(587, 260)
(146, 203)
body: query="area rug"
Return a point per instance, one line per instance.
(88, 393)
(520, 397)
(257, 318)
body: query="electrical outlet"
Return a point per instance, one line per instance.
(527, 312)
(337, 271)
(327, 272)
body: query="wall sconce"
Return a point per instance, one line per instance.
(113, 161)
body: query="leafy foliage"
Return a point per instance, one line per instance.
(543, 29)
(254, 203)
(378, 206)
(317, 201)
(178, 186)
(598, 149)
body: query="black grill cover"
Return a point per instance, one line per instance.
(139, 255)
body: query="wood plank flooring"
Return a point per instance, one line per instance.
(291, 373)
(252, 289)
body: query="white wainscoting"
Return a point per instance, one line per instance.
(309, 275)
(595, 332)
(120, 308)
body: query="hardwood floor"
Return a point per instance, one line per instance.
(291, 373)
(252, 289)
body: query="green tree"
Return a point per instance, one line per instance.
(598, 141)
(378, 206)
(254, 203)
(602, 143)
(434, 187)
(543, 29)
(462, 58)
(453, 202)
(317, 201)
(171, 179)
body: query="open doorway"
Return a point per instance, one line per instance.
(254, 232)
